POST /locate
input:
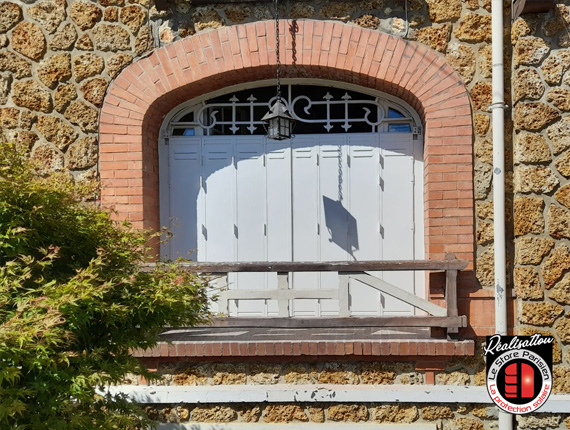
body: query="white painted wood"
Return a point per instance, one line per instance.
(250, 191)
(364, 192)
(401, 294)
(397, 212)
(286, 294)
(343, 295)
(305, 219)
(413, 394)
(283, 294)
(218, 176)
(185, 173)
(278, 216)
(324, 199)
(334, 246)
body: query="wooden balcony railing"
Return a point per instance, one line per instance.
(436, 316)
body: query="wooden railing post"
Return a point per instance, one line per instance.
(222, 283)
(451, 293)
(283, 301)
(343, 299)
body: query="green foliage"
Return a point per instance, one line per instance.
(74, 302)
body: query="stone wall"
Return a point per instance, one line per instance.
(456, 416)
(540, 95)
(452, 417)
(466, 371)
(57, 58)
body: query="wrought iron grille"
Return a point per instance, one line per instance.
(317, 109)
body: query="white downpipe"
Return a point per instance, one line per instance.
(498, 109)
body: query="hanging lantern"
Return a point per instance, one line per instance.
(279, 123)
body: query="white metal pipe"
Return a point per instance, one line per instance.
(498, 109)
(498, 112)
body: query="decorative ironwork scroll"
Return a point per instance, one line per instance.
(243, 113)
(328, 101)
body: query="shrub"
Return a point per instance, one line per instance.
(74, 301)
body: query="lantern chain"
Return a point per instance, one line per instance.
(276, 3)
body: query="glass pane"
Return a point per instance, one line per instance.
(184, 131)
(399, 128)
(393, 113)
(189, 117)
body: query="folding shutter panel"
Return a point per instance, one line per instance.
(364, 240)
(305, 220)
(278, 223)
(218, 178)
(250, 219)
(184, 189)
(333, 179)
(398, 213)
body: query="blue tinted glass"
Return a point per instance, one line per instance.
(400, 128)
(393, 113)
(188, 132)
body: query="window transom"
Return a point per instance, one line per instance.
(317, 109)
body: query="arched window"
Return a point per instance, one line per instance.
(347, 187)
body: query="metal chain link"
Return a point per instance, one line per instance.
(293, 30)
(276, 3)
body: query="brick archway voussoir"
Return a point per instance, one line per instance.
(148, 89)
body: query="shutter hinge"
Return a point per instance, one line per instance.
(348, 160)
(318, 229)
(318, 159)
(265, 229)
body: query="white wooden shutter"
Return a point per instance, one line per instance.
(184, 182)
(305, 220)
(256, 200)
(249, 229)
(334, 211)
(278, 202)
(364, 191)
(398, 212)
(218, 203)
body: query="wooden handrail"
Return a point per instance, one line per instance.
(326, 266)
(445, 317)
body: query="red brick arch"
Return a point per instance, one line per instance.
(148, 89)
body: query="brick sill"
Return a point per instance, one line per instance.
(310, 348)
